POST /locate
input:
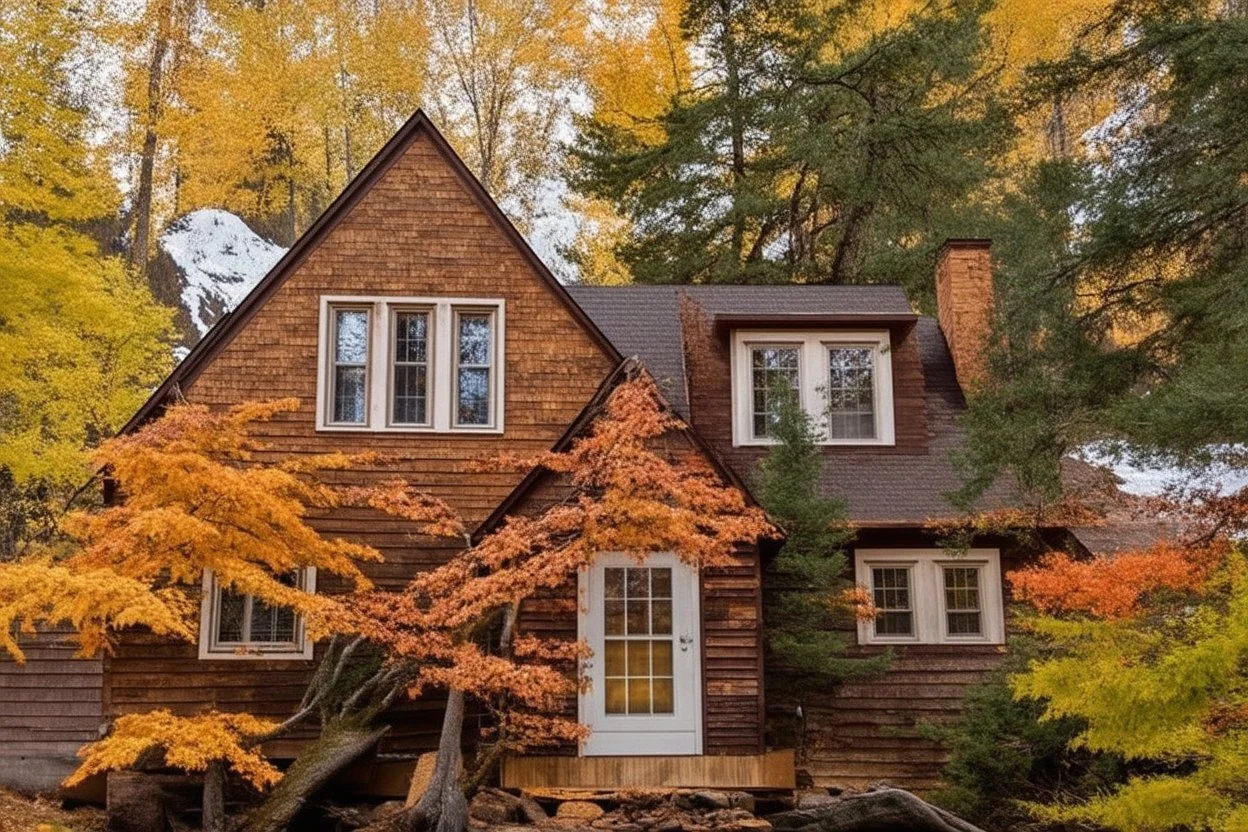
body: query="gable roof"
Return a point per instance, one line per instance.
(418, 125)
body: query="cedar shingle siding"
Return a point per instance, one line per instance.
(416, 224)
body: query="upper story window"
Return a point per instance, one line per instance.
(842, 379)
(411, 364)
(929, 596)
(233, 625)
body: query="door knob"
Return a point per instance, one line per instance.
(685, 641)
(586, 666)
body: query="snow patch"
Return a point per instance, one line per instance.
(221, 260)
(1148, 479)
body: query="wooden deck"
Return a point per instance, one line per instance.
(772, 770)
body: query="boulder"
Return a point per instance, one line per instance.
(135, 803)
(579, 810)
(493, 807)
(892, 809)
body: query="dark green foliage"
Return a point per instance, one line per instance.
(803, 159)
(1124, 277)
(1002, 755)
(808, 576)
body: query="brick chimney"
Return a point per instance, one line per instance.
(964, 300)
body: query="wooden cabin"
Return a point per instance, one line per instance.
(413, 319)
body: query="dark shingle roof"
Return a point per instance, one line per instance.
(900, 488)
(645, 320)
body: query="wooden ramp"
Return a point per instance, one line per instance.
(772, 770)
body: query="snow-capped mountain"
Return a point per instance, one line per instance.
(219, 258)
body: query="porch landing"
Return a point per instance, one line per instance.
(772, 770)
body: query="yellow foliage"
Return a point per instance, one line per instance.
(189, 743)
(1164, 684)
(81, 344)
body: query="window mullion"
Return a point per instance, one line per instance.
(381, 357)
(443, 357)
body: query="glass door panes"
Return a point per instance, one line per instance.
(962, 608)
(638, 643)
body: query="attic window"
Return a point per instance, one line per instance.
(411, 365)
(843, 380)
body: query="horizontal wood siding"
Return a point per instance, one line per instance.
(867, 730)
(417, 232)
(49, 707)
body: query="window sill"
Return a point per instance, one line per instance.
(840, 443)
(461, 431)
(260, 656)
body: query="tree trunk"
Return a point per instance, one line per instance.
(342, 741)
(892, 809)
(214, 797)
(147, 155)
(442, 808)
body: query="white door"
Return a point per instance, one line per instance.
(640, 619)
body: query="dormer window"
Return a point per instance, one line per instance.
(411, 365)
(843, 379)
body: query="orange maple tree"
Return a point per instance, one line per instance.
(1114, 586)
(200, 492)
(633, 484)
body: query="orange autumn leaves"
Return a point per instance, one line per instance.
(200, 492)
(189, 743)
(632, 484)
(1115, 586)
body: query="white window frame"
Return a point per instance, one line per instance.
(493, 367)
(431, 361)
(440, 392)
(300, 649)
(813, 376)
(927, 593)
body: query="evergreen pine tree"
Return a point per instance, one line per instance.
(1123, 279)
(809, 612)
(815, 146)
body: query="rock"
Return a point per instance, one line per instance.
(579, 810)
(722, 800)
(530, 810)
(135, 803)
(813, 800)
(493, 807)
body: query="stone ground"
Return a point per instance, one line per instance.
(625, 811)
(24, 814)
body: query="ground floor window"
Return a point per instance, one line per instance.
(234, 625)
(931, 596)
